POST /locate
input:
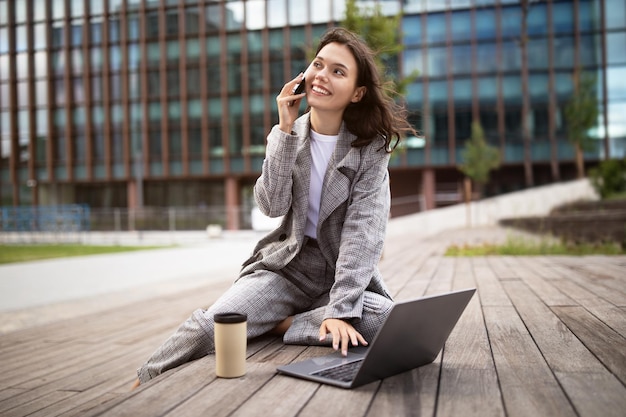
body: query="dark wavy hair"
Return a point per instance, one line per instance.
(376, 114)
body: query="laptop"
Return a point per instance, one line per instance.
(413, 335)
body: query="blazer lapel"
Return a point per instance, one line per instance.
(338, 179)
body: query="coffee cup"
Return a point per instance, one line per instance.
(230, 344)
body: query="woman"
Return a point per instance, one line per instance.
(314, 279)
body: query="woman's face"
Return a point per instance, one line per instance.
(331, 79)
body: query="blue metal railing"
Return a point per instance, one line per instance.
(65, 218)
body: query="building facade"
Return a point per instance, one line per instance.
(163, 103)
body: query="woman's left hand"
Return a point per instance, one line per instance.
(342, 333)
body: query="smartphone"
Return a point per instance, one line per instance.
(299, 89)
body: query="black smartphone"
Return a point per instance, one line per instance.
(299, 89)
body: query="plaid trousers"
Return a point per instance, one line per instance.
(301, 289)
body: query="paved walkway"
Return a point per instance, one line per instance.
(39, 292)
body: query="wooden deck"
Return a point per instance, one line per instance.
(543, 336)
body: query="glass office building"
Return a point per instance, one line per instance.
(135, 103)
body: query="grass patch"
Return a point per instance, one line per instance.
(521, 247)
(25, 253)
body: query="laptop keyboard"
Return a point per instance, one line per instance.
(344, 372)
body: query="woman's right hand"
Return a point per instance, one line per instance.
(289, 104)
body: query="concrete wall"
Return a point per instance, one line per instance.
(537, 201)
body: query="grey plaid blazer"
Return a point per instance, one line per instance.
(353, 214)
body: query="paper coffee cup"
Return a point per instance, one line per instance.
(230, 344)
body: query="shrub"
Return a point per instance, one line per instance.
(609, 178)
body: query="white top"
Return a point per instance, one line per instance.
(322, 148)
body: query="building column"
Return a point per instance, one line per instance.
(428, 188)
(232, 204)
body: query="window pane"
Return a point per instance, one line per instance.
(412, 30)
(436, 28)
(511, 22)
(276, 13)
(461, 26)
(615, 14)
(485, 27)
(563, 18)
(255, 14)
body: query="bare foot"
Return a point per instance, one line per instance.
(282, 327)
(135, 384)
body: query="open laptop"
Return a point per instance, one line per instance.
(413, 335)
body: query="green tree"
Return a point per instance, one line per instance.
(479, 158)
(581, 114)
(382, 34)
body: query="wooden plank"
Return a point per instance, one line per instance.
(489, 287)
(567, 268)
(526, 268)
(469, 383)
(221, 396)
(606, 344)
(573, 364)
(411, 393)
(528, 386)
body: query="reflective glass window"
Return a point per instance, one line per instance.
(538, 88)
(134, 56)
(134, 85)
(213, 20)
(42, 122)
(96, 31)
(173, 50)
(436, 28)
(22, 94)
(21, 38)
(77, 33)
(41, 63)
(58, 9)
(485, 24)
(537, 22)
(114, 31)
(255, 13)
(152, 24)
(437, 61)
(438, 92)
(133, 27)
(461, 26)
(462, 91)
(171, 22)
(173, 83)
(563, 52)
(22, 65)
(488, 89)
(115, 87)
(322, 12)
(78, 89)
(615, 14)
(512, 88)
(616, 81)
(39, 10)
(298, 15)
(486, 57)
(154, 53)
(20, 11)
(277, 13)
(96, 88)
(588, 16)
(117, 114)
(511, 59)
(41, 93)
(4, 18)
(413, 61)
(39, 35)
(193, 50)
(154, 84)
(173, 110)
(78, 7)
(461, 59)
(562, 18)
(563, 85)
(213, 79)
(590, 50)
(537, 53)
(412, 30)
(192, 21)
(511, 22)
(234, 15)
(194, 109)
(154, 111)
(616, 48)
(4, 40)
(115, 58)
(58, 30)
(78, 116)
(115, 6)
